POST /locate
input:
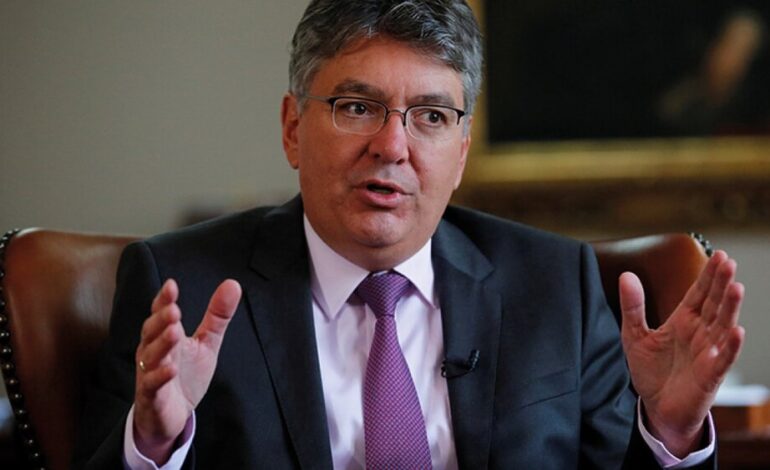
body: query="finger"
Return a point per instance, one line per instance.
(728, 353)
(632, 308)
(221, 309)
(168, 293)
(698, 292)
(725, 274)
(729, 310)
(150, 382)
(156, 323)
(731, 307)
(158, 352)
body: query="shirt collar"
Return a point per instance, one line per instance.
(333, 278)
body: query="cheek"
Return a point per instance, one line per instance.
(326, 167)
(441, 177)
(457, 175)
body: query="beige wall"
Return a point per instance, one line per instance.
(120, 115)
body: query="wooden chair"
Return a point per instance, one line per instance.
(57, 290)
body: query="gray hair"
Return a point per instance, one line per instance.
(444, 29)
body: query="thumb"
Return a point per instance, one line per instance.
(632, 305)
(221, 309)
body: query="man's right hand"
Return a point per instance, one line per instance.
(173, 370)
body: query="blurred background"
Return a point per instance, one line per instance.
(138, 117)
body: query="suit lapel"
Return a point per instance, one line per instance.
(471, 317)
(281, 305)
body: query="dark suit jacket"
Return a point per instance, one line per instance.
(550, 390)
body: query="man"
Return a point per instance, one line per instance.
(377, 124)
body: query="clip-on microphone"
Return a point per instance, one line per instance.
(452, 368)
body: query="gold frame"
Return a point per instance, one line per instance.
(619, 185)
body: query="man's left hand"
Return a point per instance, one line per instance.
(677, 368)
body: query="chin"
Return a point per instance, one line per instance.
(378, 239)
(379, 231)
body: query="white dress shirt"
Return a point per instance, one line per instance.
(344, 328)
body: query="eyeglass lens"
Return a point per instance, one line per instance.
(367, 117)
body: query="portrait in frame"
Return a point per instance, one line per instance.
(623, 117)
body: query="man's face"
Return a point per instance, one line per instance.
(375, 199)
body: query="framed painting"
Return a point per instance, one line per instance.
(623, 116)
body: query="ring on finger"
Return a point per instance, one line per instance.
(142, 366)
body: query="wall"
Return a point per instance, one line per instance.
(118, 116)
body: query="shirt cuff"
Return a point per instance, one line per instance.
(134, 460)
(665, 458)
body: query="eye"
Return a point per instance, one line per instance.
(355, 108)
(436, 117)
(429, 116)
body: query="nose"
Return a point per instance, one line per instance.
(391, 144)
(401, 116)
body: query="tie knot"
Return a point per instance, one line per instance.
(382, 291)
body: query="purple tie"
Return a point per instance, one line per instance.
(394, 429)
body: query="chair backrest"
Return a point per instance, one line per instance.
(57, 293)
(58, 287)
(667, 264)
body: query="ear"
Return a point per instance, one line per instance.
(464, 147)
(289, 125)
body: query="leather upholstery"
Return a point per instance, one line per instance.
(58, 289)
(667, 264)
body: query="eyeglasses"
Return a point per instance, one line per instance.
(362, 116)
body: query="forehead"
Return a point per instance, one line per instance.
(388, 70)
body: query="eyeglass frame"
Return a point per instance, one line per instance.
(332, 101)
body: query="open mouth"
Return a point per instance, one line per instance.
(380, 189)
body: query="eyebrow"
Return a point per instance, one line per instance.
(361, 88)
(358, 88)
(436, 98)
